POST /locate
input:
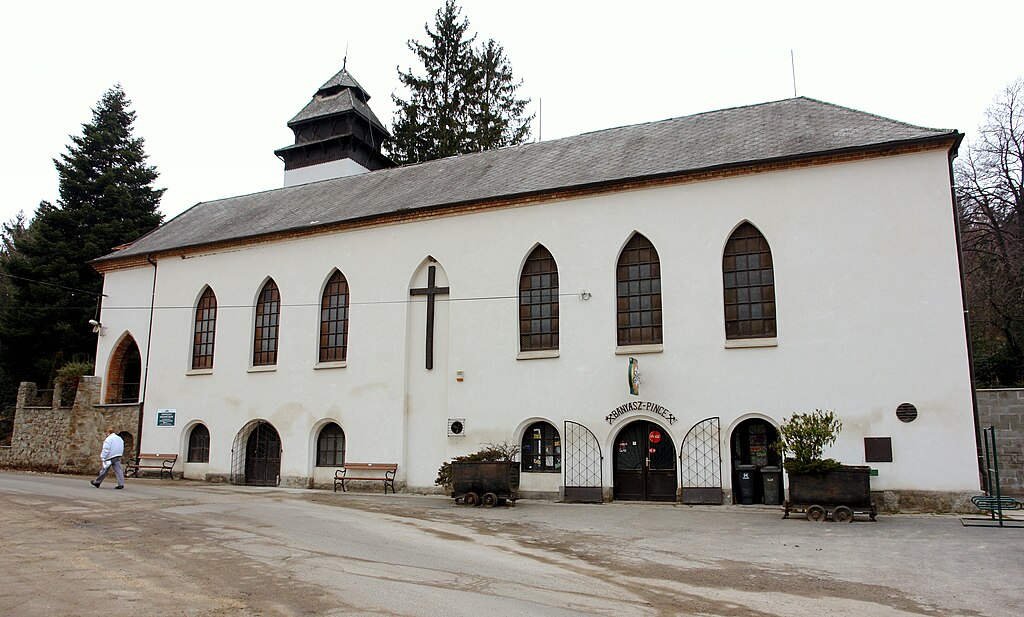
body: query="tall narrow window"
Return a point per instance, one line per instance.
(749, 283)
(199, 444)
(638, 278)
(206, 327)
(268, 316)
(330, 446)
(334, 319)
(542, 449)
(538, 302)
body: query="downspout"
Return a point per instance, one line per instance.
(967, 315)
(149, 346)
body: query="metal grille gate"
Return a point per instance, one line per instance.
(582, 464)
(700, 460)
(256, 455)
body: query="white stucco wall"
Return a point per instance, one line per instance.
(323, 171)
(869, 316)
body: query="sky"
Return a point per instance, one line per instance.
(214, 83)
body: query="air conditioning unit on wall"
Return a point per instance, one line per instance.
(456, 427)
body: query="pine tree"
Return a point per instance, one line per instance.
(106, 199)
(465, 102)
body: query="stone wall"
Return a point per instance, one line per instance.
(40, 426)
(66, 439)
(1004, 409)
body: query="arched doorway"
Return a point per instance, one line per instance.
(644, 463)
(124, 373)
(256, 455)
(752, 450)
(129, 445)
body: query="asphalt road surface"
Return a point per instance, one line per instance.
(185, 548)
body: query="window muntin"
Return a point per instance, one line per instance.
(334, 319)
(538, 302)
(638, 287)
(330, 446)
(268, 315)
(542, 449)
(205, 329)
(199, 445)
(749, 284)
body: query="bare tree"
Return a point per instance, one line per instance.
(990, 190)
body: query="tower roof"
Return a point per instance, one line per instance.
(340, 94)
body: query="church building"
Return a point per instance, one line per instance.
(638, 309)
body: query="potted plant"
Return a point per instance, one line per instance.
(821, 486)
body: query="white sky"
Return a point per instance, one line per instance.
(214, 83)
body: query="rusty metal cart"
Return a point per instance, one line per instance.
(840, 494)
(485, 483)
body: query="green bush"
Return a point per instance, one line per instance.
(804, 436)
(503, 451)
(68, 376)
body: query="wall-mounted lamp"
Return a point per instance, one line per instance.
(97, 327)
(584, 296)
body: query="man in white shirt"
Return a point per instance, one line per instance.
(113, 450)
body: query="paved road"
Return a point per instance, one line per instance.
(187, 548)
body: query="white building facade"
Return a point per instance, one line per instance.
(746, 284)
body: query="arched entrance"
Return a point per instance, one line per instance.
(644, 463)
(256, 455)
(129, 445)
(752, 450)
(124, 372)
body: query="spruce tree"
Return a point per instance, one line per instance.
(465, 100)
(496, 113)
(106, 199)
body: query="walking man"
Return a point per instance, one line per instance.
(113, 450)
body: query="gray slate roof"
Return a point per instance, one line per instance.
(341, 102)
(719, 139)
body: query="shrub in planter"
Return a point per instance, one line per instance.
(503, 451)
(803, 438)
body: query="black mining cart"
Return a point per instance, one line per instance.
(485, 483)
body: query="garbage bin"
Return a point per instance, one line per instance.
(772, 478)
(745, 478)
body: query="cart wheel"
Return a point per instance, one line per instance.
(471, 499)
(490, 500)
(842, 514)
(814, 513)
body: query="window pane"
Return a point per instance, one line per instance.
(538, 300)
(334, 319)
(748, 282)
(638, 288)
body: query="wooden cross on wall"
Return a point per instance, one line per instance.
(431, 291)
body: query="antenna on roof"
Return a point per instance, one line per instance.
(540, 119)
(793, 65)
(344, 61)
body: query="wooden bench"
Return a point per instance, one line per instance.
(163, 462)
(341, 476)
(991, 503)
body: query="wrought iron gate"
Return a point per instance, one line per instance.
(700, 460)
(256, 455)
(582, 464)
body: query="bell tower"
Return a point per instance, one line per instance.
(336, 134)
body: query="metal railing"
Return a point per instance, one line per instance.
(124, 392)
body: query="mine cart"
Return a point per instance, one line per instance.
(839, 494)
(485, 483)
